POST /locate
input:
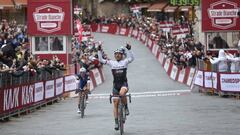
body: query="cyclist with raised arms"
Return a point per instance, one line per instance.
(119, 72)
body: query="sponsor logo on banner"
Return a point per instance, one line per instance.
(123, 31)
(91, 84)
(181, 75)
(97, 76)
(105, 29)
(135, 32)
(143, 37)
(155, 49)
(199, 78)
(11, 98)
(210, 80)
(230, 82)
(27, 94)
(59, 86)
(39, 92)
(166, 65)
(190, 77)
(149, 42)
(180, 30)
(173, 74)
(130, 32)
(70, 83)
(49, 89)
(223, 14)
(48, 18)
(161, 58)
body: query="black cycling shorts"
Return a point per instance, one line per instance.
(117, 87)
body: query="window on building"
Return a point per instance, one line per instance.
(53, 44)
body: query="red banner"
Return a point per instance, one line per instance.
(177, 30)
(220, 15)
(49, 17)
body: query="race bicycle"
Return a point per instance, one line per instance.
(121, 110)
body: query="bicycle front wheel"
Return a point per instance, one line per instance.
(121, 119)
(82, 105)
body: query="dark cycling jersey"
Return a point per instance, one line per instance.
(84, 79)
(119, 69)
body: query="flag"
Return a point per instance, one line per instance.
(80, 29)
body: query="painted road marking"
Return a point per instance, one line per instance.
(146, 94)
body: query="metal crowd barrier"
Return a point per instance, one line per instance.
(207, 66)
(8, 79)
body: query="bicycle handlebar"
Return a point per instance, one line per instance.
(118, 96)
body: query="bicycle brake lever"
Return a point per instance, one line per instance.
(110, 99)
(130, 98)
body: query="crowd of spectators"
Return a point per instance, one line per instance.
(85, 53)
(182, 51)
(15, 56)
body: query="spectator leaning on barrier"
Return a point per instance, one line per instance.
(222, 61)
(235, 62)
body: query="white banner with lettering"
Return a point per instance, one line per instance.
(191, 76)
(181, 75)
(70, 83)
(166, 65)
(59, 86)
(173, 74)
(49, 89)
(97, 76)
(39, 92)
(199, 78)
(230, 82)
(210, 80)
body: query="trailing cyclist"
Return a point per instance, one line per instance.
(119, 72)
(84, 85)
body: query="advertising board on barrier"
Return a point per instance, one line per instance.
(70, 83)
(161, 58)
(49, 89)
(97, 76)
(174, 72)
(199, 78)
(39, 92)
(11, 98)
(210, 80)
(181, 75)
(59, 86)
(155, 49)
(104, 29)
(123, 31)
(166, 65)
(190, 76)
(149, 43)
(220, 15)
(230, 82)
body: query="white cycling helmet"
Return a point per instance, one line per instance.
(118, 51)
(82, 70)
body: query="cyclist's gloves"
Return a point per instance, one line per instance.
(128, 46)
(99, 48)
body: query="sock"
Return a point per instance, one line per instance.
(126, 106)
(116, 120)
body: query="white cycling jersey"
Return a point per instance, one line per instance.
(119, 68)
